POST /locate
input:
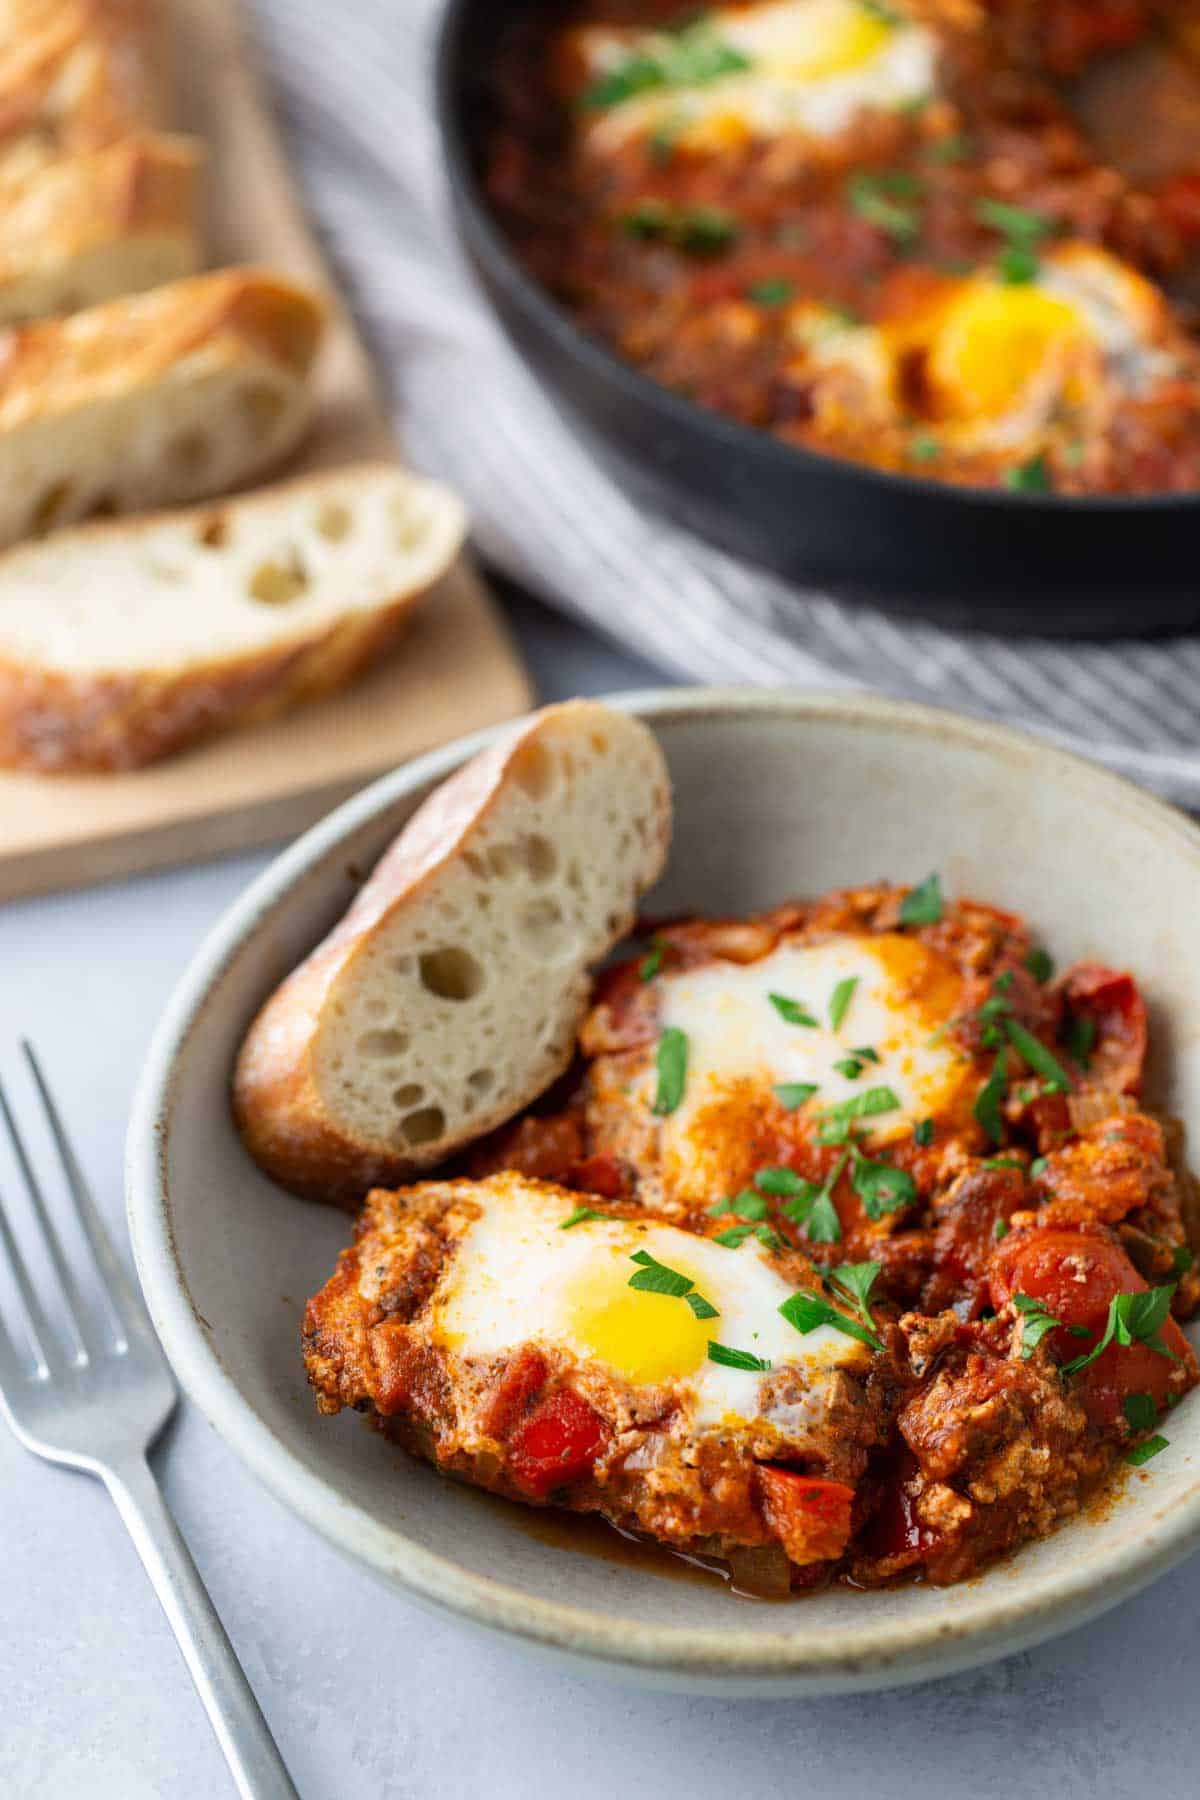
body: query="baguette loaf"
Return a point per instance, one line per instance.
(168, 396)
(450, 994)
(76, 75)
(122, 642)
(86, 228)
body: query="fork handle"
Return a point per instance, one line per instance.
(233, 1712)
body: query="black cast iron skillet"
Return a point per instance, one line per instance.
(983, 557)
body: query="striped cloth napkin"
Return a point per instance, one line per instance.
(355, 91)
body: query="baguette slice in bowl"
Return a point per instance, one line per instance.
(153, 399)
(451, 993)
(87, 228)
(121, 642)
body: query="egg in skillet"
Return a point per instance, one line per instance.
(988, 363)
(808, 66)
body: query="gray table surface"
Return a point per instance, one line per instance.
(367, 1694)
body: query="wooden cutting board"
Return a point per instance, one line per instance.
(455, 671)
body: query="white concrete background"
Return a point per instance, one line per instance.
(369, 1695)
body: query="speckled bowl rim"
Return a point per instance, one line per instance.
(792, 1661)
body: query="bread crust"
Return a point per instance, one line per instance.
(55, 722)
(145, 187)
(57, 366)
(276, 1097)
(78, 74)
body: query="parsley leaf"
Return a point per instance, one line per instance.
(1032, 477)
(1021, 227)
(882, 1188)
(791, 1011)
(1081, 1039)
(653, 1277)
(671, 1062)
(1182, 1259)
(840, 1000)
(1140, 1411)
(808, 1312)
(792, 1094)
(747, 1205)
(991, 1096)
(737, 1359)
(650, 965)
(923, 1133)
(579, 1216)
(779, 1181)
(856, 1281)
(889, 200)
(850, 1067)
(862, 1106)
(1040, 965)
(922, 905)
(776, 290)
(1144, 1452)
(736, 1234)
(1038, 1057)
(689, 58)
(812, 1208)
(1036, 1323)
(1132, 1318)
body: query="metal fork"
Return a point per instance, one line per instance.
(95, 1398)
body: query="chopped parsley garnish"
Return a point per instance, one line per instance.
(866, 1105)
(923, 446)
(1022, 228)
(850, 1066)
(705, 231)
(1182, 1259)
(650, 965)
(776, 290)
(1140, 1411)
(768, 1238)
(792, 1094)
(808, 1312)
(579, 1216)
(1144, 1452)
(1032, 477)
(1080, 1039)
(1132, 1318)
(1040, 1060)
(1040, 965)
(703, 1309)
(1036, 1322)
(791, 1011)
(889, 200)
(671, 1062)
(923, 1133)
(855, 1281)
(775, 1180)
(881, 1188)
(648, 219)
(654, 1277)
(747, 1205)
(736, 1234)
(1017, 264)
(840, 999)
(865, 1053)
(1038, 1167)
(922, 905)
(991, 1098)
(955, 148)
(689, 58)
(730, 1358)
(1000, 1229)
(1003, 1162)
(878, 9)
(811, 1206)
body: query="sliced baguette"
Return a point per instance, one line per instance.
(78, 74)
(154, 399)
(86, 228)
(120, 643)
(450, 994)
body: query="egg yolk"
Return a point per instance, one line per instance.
(837, 39)
(645, 1337)
(990, 344)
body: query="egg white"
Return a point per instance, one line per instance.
(814, 66)
(518, 1278)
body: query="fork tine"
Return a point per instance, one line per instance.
(39, 1325)
(76, 1311)
(129, 1311)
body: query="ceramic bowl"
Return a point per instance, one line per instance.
(776, 793)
